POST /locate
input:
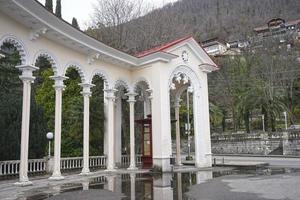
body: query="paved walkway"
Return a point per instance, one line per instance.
(248, 187)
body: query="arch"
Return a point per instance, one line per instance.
(49, 56)
(9, 38)
(102, 74)
(122, 83)
(179, 92)
(140, 80)
(79, 69)
(187, 71)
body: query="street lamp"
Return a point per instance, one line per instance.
(188, 124)
(49, 136)
(263, 122)
(285, 120)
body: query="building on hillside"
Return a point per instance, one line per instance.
(216, 48)
(286, 32)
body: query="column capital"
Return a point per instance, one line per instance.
(59, 81)
(110, 94)
(177, 103)
(86, 89)
(150, 92)
(131, 96)
(27, 72)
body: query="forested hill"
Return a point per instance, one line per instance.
(226, 19)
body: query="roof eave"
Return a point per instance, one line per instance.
(56, 24)
(156, 57)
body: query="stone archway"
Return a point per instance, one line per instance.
(185, 75)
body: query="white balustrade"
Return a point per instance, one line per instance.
(12, 167)
(125, 160)
(39, 165)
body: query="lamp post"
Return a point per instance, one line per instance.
(285, 119)
(188, 124)
(49, 137)
(263, 121)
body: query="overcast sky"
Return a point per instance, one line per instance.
(82, 9)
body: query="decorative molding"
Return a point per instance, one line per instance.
(110, 94)
(79, 69)
(184, 70)
(207, 68)
(59, 82)
(102, 74)
(92, 57)
(122, 83)
(140, 81)
(86, 89)
(150, 93)
(27, 72)
(11, 39)
(49, 56)
(180, 91)
(36, 33)
(131, 96)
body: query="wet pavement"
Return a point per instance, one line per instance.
(218, 183)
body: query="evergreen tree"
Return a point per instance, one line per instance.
(75, 23)
(49, 5)
(58, 8)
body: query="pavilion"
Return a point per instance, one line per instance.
(163, 72)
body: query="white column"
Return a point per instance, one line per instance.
(199, 130)
(110, 96)
(59, 87)
(105, 141)
(118, 129)
(86, 92)
(178, 151)
(179, 186)
(203, 176)
(27, 79)
(162, 188)
(132, 186)
(85, 185)
(131, 101)
(111, 183)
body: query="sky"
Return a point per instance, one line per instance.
(82, 9)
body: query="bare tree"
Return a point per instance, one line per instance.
(110, 18)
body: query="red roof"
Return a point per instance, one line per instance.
(161, 48)
(168, 45)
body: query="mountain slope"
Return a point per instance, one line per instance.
(225, 19)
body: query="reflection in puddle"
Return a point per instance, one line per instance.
(167, 186)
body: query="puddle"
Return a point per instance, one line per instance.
(166, 186)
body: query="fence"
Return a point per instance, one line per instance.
(72, 163)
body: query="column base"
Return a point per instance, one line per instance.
(23, 183)
(162, 164)
(85, 173)
(110, 170)
(56, 177)
(132, 168)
